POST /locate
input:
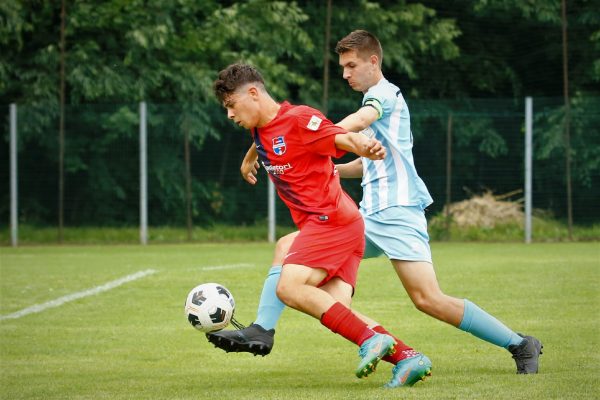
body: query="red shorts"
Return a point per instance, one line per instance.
(338, 249)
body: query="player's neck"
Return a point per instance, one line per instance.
(376, 78)
(271, 108)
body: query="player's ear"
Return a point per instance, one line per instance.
(253, 91)
(374, 60)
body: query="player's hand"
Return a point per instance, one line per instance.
(376, 151)
(249, 170)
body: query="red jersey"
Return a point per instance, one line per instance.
(295, 148)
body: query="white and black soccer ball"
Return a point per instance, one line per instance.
(209, 307)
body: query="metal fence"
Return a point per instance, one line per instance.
(178, 164)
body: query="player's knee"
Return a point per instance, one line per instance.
(423, 302)
(429, 303)
(285, 294)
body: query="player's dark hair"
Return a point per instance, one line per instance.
(364, 43)
(233, 77)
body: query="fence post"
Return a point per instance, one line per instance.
(14, 206)
(271, 189)
(528, 165)
(143, 176)
(448, 173)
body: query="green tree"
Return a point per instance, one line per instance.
(122, 53)
(168, 54)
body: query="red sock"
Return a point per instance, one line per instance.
(402, 350)
(340, 319)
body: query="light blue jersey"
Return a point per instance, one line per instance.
(394, 199)
(393, 181)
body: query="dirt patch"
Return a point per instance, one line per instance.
(486, 210)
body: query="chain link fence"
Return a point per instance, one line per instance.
(194, 153)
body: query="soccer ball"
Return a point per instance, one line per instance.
(209, 307)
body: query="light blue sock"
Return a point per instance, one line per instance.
(270, 307)
(481, 324)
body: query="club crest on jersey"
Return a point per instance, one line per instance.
(279, 145)
(314, 123)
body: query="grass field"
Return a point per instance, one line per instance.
(133, 341)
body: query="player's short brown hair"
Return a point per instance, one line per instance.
(233, 77)
(364, 43)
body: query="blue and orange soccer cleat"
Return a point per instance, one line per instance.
(410, 371)
(372, 351)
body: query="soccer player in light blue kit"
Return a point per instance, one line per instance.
(393, 204)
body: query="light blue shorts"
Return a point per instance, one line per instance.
(399, 232)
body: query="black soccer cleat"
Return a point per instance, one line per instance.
(527, 354)
(253, 339)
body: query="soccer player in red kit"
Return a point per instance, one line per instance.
(295, 145)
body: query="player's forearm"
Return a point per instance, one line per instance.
(361, 145)
(348, 143)
(250, 166)
(352, 169)
(251, 155)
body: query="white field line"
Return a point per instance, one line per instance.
(77, 295)
(226, 266)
